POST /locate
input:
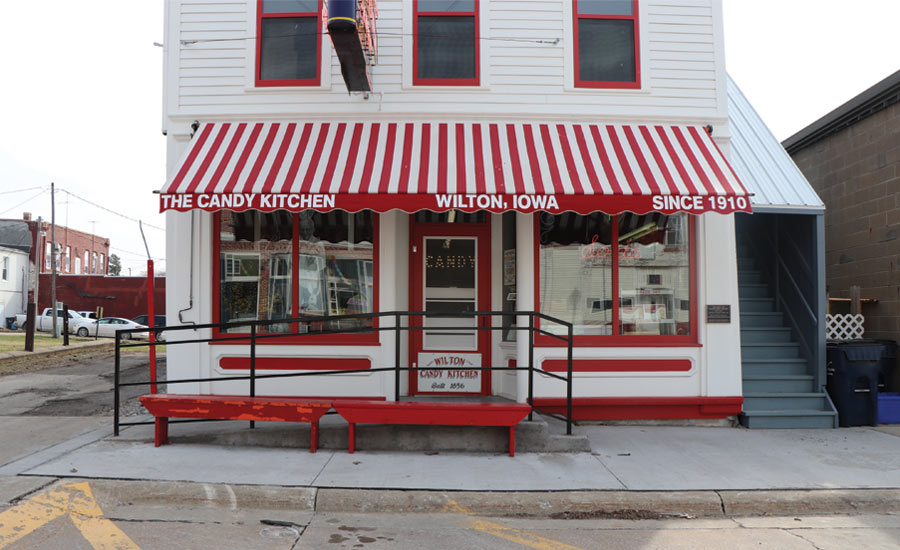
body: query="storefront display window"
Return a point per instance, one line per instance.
(654, 275)
(617, 278)
(334, 258)
(255, 268)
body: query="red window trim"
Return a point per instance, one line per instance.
(616, 339)
(579, 83)
(445, 81)
(362, 339)
(287, 82)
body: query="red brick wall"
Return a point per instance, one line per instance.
(78, 243)
(119, 296)
(857, 174)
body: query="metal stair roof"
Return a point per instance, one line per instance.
(762, 164)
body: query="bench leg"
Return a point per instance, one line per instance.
(313, 436)
(161, 433)
(351, 437)
(512, 441)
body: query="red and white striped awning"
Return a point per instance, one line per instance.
(467, 166)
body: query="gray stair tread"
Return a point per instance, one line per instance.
(766, 329)
(775, 360)
(787, 412)
(776, 394)
(768, 344)
(778, 377)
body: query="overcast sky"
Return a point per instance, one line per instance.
(81, 96)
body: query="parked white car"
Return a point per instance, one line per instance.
(77, 324)
(107, 327)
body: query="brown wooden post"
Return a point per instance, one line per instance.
(855, 308)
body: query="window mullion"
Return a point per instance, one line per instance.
(615, 275)
(295, 271)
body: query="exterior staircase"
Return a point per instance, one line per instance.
(778, 388)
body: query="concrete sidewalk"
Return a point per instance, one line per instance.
(699, 471)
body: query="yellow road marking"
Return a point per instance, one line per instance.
(75, 500)
(517, 536)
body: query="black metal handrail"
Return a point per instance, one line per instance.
(253, 337)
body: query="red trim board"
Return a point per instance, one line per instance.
(296, 363)
(643, 408)
(617, 365)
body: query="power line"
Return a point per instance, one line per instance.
(133, 253)
(42, 191)
(552, 42)
(21, 190)
(111, 211)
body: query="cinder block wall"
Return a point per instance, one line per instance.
(857, 174)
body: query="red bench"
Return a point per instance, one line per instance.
(238, 407)
(432, 413)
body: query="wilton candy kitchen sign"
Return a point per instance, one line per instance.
(455, 372)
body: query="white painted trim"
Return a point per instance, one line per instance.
(250, 66)
(568, 42)
(484, 25)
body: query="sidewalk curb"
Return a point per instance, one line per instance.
(536, 504)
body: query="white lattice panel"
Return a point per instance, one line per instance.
(844, 326)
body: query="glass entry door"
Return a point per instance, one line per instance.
(450, 278)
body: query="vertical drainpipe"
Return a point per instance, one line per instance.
(524, 297)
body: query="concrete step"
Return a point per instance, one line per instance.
(746, 263)
(531, 436)
(784, 383)
(757, 305)
(763, 367)
(749, 276)
(760, 319)
(788, 419)
(773, 350)
(754, 290)
(765, 335)
(785, 401)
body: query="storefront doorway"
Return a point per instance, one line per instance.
(450, 273)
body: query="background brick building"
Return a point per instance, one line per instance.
(851, 156)
(80, 253)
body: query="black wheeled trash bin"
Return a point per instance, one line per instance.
(853, 372)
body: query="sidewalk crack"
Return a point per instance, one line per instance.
(319, 473)
(605, 467)
(804, 539)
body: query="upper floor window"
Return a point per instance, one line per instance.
(606, 44)
(5, 275)
(289, 44)
(445, 34)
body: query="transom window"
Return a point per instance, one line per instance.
(619, 279)
(289, 44)
(606, 44)
(445, 36)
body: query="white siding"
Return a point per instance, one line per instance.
(12, 289)
(681, 61)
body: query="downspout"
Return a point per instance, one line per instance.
(190, 279)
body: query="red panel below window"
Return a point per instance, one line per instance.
(643, 408)
(296, 363)
(617, 365)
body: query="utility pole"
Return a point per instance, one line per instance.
(31, 310)
(53, 257)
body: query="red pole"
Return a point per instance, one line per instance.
(150, 324)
